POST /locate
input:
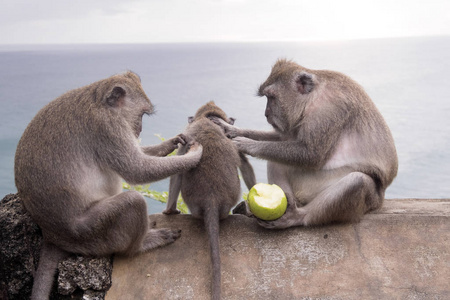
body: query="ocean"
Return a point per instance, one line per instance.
(407, 78)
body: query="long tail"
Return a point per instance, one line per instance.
(44, 276)
(211, 217)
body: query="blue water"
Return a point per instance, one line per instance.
(408, 79)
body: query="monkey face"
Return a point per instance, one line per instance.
(128, 101)
(288, 90)
(275, 112)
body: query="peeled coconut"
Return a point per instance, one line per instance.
(267, 201)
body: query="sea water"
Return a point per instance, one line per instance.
(407, 78)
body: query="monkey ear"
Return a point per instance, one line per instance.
(115, 97)
(190, 120)
(305, 83)
(231, 121)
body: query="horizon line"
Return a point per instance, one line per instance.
(318, 40)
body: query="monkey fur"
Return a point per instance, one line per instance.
(69, 167)
(331, 150)
(212, 188)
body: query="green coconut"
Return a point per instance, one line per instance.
(267, 201)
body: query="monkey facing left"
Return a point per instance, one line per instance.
(69, 166)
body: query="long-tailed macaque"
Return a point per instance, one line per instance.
(69, 167)
(331, 150)
(212, 188)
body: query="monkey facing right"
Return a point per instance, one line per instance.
(212, 188)
(69, 167)
(331, 151)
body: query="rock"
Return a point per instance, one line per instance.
(86, 273)
(78, 277)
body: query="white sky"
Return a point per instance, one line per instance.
(154, 21)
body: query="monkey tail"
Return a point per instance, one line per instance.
(212, 228)
(44, 276)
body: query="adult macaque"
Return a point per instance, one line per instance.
(331, 150)
(69, 167)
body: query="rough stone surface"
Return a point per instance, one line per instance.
(78, 277)
(400, 252)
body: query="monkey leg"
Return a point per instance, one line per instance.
(345, 201)
(277, 174)
(247, 171)
(118, 224)
(174, 191)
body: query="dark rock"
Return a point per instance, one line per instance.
(78, 277)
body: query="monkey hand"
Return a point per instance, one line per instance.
(194, 148)
(166, 147)
(172, 143)
(292, 217)
(179, 139)
(244, 145)
(229, 130)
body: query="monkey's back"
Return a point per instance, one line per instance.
(215, 181)
(55, 159)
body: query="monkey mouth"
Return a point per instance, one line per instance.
(138, 130)
(274, 124)
(270, 121)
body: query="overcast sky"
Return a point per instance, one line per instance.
(154, 21)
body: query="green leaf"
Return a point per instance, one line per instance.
(162, 197)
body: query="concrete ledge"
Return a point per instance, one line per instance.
(400, 252)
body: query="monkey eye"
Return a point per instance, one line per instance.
(270, 97)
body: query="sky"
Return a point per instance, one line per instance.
(163, 21)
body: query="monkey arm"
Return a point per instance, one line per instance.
(312, 146)
(166, 147)
(260, 135)
(285, 152)
(135, 167)
(157, 150)
(232, 131)
(310, 149)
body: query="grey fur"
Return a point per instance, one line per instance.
(212, 188)
(69, 166)
(331, 150)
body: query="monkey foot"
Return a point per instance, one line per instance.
(272, 224)
(171, 212)
(240, 209)
(160, 237)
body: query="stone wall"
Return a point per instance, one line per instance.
(399, 252)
